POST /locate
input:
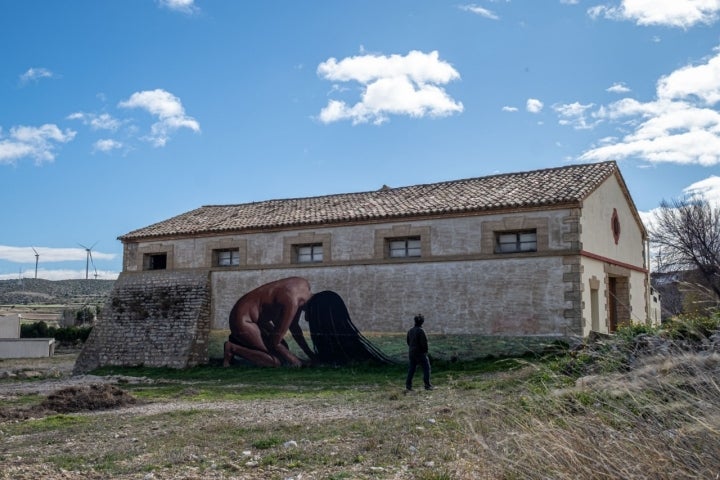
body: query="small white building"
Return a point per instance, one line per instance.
(12, 346)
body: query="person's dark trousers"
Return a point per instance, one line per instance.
(424, 362)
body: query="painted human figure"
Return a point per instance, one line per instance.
(261, 318)
(418, 353)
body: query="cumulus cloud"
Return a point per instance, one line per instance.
(670, 13)
(34, 142)
(391, 85)
(574, 114)
(187, 7)
(167, 108)
(682, 125)
(618, 88)
(478, 10)
(34, 74)
(708, 189)
(103, 121)
(533, 105)
(508, 108)
(106, 145)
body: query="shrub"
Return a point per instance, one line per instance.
(62, 334)
(693, 327)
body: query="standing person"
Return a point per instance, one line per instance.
(418, 353)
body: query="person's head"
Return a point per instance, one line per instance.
(419, 320)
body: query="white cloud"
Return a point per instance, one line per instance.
(395, 84)
(26, 255)
(61, 274)
(709, 189)
(478, 10)
(533, 105)
(169, 110)
(682, 125)
(509, 109)
(103, 121)
(570, 2)
(106, 145)
(49, 254)
(574, 114)
(618, 88)
(693, 81)
(35, 142)
(34, 74)
(183, 6)
(671, 13)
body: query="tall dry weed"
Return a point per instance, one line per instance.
(656, 417)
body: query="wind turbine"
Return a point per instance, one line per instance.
(89, 259)
(37, 259)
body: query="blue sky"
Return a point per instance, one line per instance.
(117, 114)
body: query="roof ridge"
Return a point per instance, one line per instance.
(564, 185)
(384, 189)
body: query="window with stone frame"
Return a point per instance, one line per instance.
(308, 253)
(155, 261)
(226, 257)
(403, 247)
(516, 242)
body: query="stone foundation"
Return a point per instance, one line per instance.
(154, 319)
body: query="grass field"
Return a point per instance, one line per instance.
(636, 406)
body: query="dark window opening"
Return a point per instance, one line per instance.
(156, 261)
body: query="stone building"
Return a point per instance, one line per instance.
(556, 253)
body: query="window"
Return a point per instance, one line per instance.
(226, 258)
(404, 247)
(510, 242)
(615, 225)
(155, 261)
(309, 253)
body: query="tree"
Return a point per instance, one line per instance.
(84, 316)
(687, 235)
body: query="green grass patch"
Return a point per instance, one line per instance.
(52, 422)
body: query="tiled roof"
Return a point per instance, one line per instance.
(537, 188)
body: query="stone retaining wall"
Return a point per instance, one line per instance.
(155, 319)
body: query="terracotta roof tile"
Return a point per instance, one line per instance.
(538, 188)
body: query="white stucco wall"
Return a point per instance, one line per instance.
(596, 233)
(9, 326)
(594, 269)
(627, 256)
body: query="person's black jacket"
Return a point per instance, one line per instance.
(417, 341)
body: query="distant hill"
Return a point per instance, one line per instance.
(38, 291)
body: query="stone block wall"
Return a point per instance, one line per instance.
(153, 318)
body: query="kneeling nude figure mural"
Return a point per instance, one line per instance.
(261, 318)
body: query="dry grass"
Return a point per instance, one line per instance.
(611, 411)
(659, 421)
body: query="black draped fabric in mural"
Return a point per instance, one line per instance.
(336, 339)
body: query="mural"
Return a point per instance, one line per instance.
(261, 318)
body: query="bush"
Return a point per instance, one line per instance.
(61, 334)
(693, 327)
